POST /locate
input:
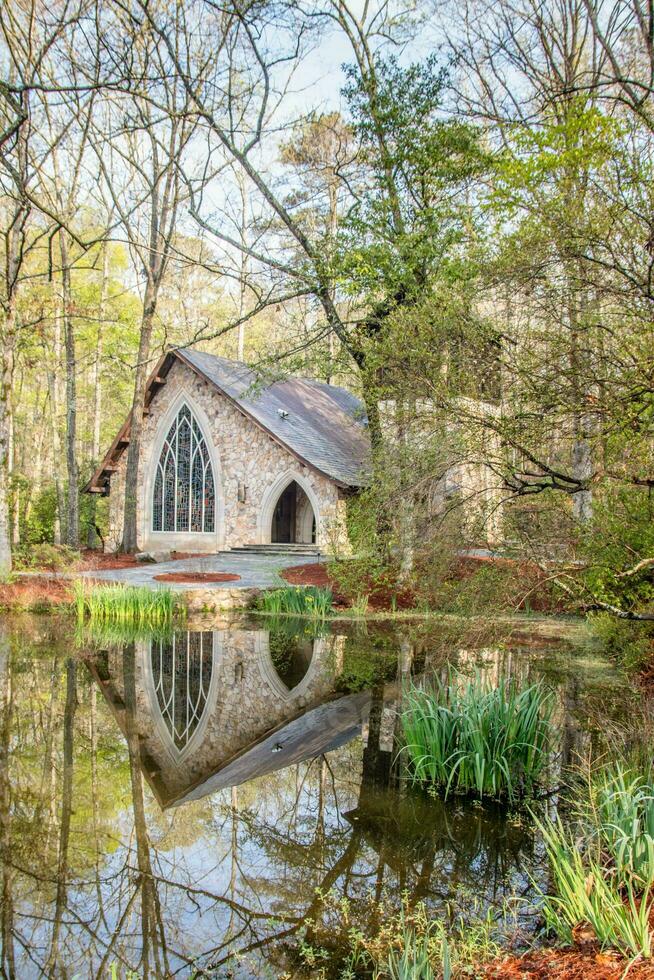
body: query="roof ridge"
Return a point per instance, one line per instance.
(253, 370)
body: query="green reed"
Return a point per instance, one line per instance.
(302, 600)
(467, 736)
(125, 605)
(603, 869)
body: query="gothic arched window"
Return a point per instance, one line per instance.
(182, 666)
(184, 495)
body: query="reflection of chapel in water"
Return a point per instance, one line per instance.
(216, 708)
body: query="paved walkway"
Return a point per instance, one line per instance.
(256, 571)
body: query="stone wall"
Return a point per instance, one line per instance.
(243, 454)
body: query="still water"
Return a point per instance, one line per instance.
(203, 803)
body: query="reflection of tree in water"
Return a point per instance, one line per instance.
(241, 874)
(291, 654)
(154, 955)
(7, 904)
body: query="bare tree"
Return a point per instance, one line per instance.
(623, 31)
(290, 256)
(141, 139)
(36, 43)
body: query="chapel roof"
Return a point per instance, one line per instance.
(322, 425)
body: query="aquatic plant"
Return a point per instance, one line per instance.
(413, 961)
(467, 736)
(124, 605)
(603, 871)
(407, 943)
(302, 600)
(624, 806)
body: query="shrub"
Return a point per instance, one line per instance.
(603, 874)
(124, 605)
(469, 737)
(631, 644)
(52, 556)
(620, 535)
(301, 600)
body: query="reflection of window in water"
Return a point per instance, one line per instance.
(291, 656)
(181, 672)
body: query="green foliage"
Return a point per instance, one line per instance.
(357, 578)
(607, 882)
(631, 644)
(369, 659)
(586, 893)
(124, 605)
(301, 600)
(406, 221)
(469, 737)
(620, 535)
(38, 527)
(413, 961)
(624, 805)
(44, 555)
(407, 943)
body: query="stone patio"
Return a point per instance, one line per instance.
(255, 571)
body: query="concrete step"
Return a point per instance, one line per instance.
(277, 549)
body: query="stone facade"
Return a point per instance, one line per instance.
(244, 457)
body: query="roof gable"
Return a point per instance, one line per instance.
(322, 425)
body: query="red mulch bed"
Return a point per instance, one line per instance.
(26, 593)
(197, 577)
(100, 561)
(380, 598)
(566, 965)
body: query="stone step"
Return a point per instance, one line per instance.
(276, 549)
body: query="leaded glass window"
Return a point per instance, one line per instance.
(181, 672)
(183, 498)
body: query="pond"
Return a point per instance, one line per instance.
(211, 802)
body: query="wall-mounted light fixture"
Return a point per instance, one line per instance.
(242, 492)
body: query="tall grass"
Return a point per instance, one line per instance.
(405, 943)
(124, 605)
(302, 600)
(467, 736)
(604, 873)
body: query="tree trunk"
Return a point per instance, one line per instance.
(92, 537)
(582, 449)
(6, 385)
(240, 353)
(66, 811)
(8, 959)
(152, 928)
(55, 413)
(72, 509)
(15, 486)
(383, 519)
(130, 535)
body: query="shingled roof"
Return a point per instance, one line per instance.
(322, 425)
